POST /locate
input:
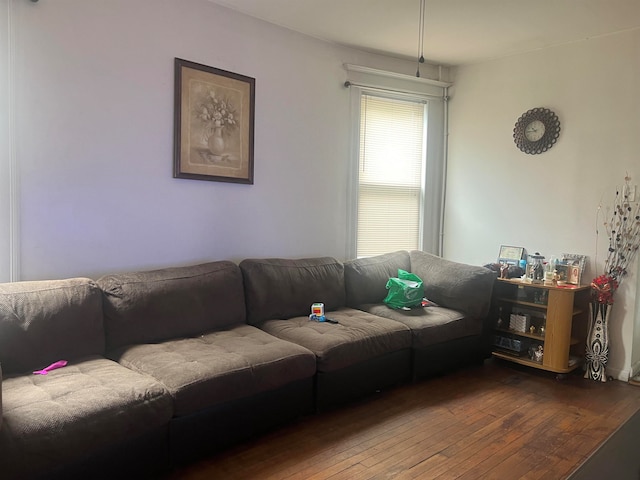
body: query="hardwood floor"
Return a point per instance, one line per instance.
(496, 421)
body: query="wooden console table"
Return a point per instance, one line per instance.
(558, 315)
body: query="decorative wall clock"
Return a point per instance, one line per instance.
(536, 130)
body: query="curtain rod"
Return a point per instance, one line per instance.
(348, 84)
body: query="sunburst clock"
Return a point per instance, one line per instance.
(536, 131)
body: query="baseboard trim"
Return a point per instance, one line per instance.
(622, 375)
(635, 369)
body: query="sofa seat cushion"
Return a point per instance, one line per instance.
(218, 367)
(72, 412)
(359, 336)
(430, 325)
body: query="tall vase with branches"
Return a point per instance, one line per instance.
(623, 231)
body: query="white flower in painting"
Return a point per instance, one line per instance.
(215, 111)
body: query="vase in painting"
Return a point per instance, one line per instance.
(216, 141)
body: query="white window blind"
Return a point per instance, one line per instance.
(390, 175)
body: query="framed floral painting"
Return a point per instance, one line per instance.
(213, 124)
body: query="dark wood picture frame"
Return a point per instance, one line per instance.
(213, 124)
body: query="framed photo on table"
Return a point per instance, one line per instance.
(510, 255)
(573, 274)
(213, 124)
(562, 271)
(575, 267)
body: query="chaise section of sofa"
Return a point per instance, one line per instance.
(444, 336)
(92, 418)
(360, 354)
(186, 327)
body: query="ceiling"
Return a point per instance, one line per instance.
(456, 32)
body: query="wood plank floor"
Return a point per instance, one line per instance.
(494, 421)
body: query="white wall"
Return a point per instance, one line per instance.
(546, 202)
(94, 138)
(5, 145)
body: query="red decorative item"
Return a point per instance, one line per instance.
(603, 288)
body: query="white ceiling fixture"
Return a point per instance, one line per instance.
(457, 32)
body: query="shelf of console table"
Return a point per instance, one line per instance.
(566, 311)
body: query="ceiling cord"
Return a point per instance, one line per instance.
(421, 37)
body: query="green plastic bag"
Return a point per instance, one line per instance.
(407, 290)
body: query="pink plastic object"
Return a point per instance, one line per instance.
(53, 366)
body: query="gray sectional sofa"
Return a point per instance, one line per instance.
(167, 365)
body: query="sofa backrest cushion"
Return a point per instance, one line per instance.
(459, 286)
(277, 288)
(152, 306)
(366, 278)
(44, 321)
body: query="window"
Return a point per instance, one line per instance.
(397, 167)
(391, 171)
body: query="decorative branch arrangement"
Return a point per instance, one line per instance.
(623, 230)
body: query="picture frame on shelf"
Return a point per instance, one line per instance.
(214, 112)
(574, 275)
(510, 255)
(574, 260)
(562, 270)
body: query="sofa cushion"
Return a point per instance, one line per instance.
(359, 336)
(42, 322)
(72, 412)
(282, 288)
(219, 366)
(366, 278)
(462, 287)
(144, 307)
(430, 325)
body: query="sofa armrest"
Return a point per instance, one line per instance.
(462, 287)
